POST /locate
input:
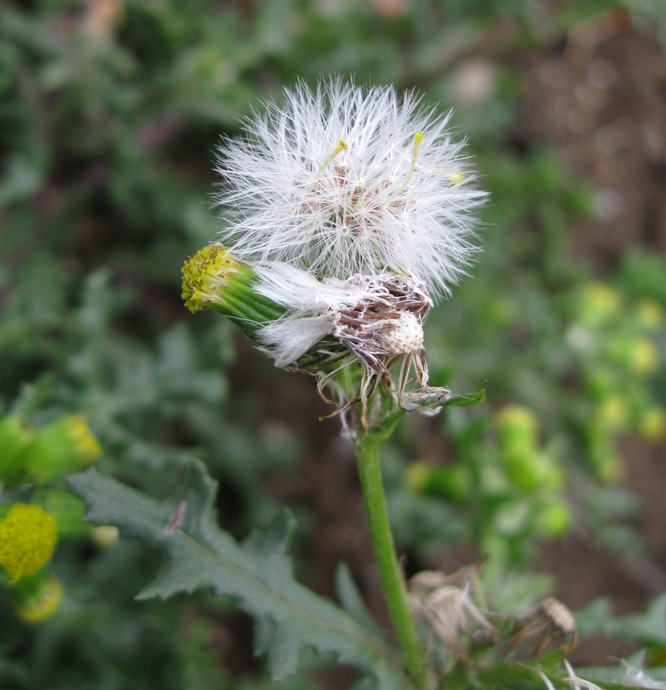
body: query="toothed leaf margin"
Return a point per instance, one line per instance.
(257, 574)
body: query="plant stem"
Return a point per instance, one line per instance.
(367, 448)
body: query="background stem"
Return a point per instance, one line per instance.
(367, 448)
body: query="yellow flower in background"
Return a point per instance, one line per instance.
(652, 425)
(613, 414)
(644, 361)
(651, 314)
(598, 304)
(63, 446)
(105, 536)
(42, 603)
(28, 537)
(87, 446)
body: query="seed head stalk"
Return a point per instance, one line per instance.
(367, 451)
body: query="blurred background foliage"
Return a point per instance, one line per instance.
(110, 112)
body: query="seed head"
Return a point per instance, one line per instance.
(343, 180)
(404, 336)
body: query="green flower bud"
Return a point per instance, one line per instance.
(518, 430)
(555, 477)
(16, 440)
(36, 598)
(63, 446)
(553, 518)
(451, 482)
(213, 279)
(533, 471)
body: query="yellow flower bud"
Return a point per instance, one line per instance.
(28, 537)
(40, 600)
(613, 414)
(651, 314)
(598, 304)
(206, 274)
(644, 361)
(213, 279)
(105, 536)
(652, 425)
(87, 446)
(64, 446)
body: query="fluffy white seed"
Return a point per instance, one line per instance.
(343, 180)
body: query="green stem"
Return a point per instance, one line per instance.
(367, 448)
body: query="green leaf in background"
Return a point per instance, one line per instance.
(648, 628)
(258, 573)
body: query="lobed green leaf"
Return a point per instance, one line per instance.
(257, 573)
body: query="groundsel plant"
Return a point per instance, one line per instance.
(349, 212)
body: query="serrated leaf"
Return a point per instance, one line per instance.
(351, 599)
(257, 574)
(281, 649)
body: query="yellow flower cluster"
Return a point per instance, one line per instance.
(28, 537)
(205, 274)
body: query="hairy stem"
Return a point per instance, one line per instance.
(367, 448)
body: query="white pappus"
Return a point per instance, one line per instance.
(319, 308)
(346, 180)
